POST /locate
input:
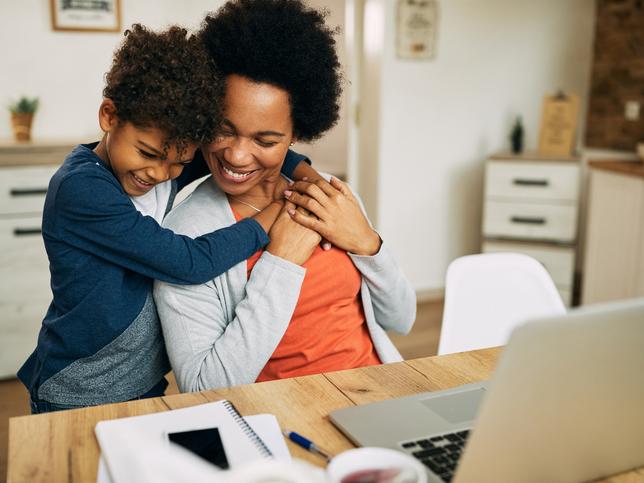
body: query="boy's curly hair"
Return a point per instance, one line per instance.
(283, 43)
(166, 80)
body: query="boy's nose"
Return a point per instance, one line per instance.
(160, 173)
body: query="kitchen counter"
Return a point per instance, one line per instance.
(632, 168)
(34, 153)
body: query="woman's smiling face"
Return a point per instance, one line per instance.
(254, 137)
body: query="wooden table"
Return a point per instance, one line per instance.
(62, 446)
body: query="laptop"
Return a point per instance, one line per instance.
(565, 403)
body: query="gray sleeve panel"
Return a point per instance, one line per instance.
(126, 368)
(214, 342)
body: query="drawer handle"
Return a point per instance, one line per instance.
(26, 231)
(530, 182)
(27, 191)
(528, 220)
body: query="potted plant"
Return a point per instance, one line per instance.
(22, 114)
(516, 136)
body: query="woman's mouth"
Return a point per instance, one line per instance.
(235, 176)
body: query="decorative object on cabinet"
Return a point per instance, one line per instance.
(417, 29)
(640, 150)
(25, 170)
(614, 253)
(22, 115)
(530, 207)
(86, 15)
(516, 136)
(558, 125)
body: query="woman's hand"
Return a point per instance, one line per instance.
(339, 217)
(290, 240)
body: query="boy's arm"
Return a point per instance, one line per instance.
(95, 215)
(304, 170)
(297, 166)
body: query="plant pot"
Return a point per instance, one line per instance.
(22, 125)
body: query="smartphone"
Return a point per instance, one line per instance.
(205, 443)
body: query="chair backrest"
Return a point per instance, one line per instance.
(487, 295)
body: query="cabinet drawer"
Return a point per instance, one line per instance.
(530, 221)
(24, 290)
(558, 261)
(532, 180)
(22, 190)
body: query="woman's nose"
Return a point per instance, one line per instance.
(237, 152)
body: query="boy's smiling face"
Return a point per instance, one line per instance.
(136, 154)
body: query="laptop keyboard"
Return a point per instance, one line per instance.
(439, 453)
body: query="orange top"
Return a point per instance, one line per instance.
(328, 330)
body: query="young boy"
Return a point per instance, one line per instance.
(100, 340)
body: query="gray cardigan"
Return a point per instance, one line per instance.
(223, 333)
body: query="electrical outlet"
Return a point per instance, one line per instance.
(632, 110)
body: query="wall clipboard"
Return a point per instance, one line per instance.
(558, 124)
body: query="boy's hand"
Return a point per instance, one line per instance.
(280, 186)
(290, 240)
(339, 217)
(268, 215)
(303, 172)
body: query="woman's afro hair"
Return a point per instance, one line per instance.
(285, 44)
(166, 80)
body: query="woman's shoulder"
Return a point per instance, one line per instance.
(206, 209)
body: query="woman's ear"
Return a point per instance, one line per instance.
(107, 117)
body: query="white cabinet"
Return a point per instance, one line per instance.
(614, 258)
(24, 268)
(531, 207)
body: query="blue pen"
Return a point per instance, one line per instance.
(306, 444)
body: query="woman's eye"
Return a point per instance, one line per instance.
(266, 144)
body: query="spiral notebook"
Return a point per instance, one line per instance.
(239, 440)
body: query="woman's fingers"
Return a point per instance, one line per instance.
(304, 201)
(340, 186)
(309, 222)
(326, 244)
(319, 190)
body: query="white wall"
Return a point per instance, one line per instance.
(66, 69)
(440, 119)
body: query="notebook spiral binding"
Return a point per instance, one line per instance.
(248, 431)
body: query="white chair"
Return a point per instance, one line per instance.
(487, 295)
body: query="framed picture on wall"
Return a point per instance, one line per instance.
(86, 15)
(416, 29)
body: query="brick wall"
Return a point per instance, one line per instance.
(617, 75)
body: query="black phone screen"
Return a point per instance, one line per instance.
(205, 443)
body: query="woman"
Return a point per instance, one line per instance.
(293, 309)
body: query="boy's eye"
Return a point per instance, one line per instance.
(147, 154)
